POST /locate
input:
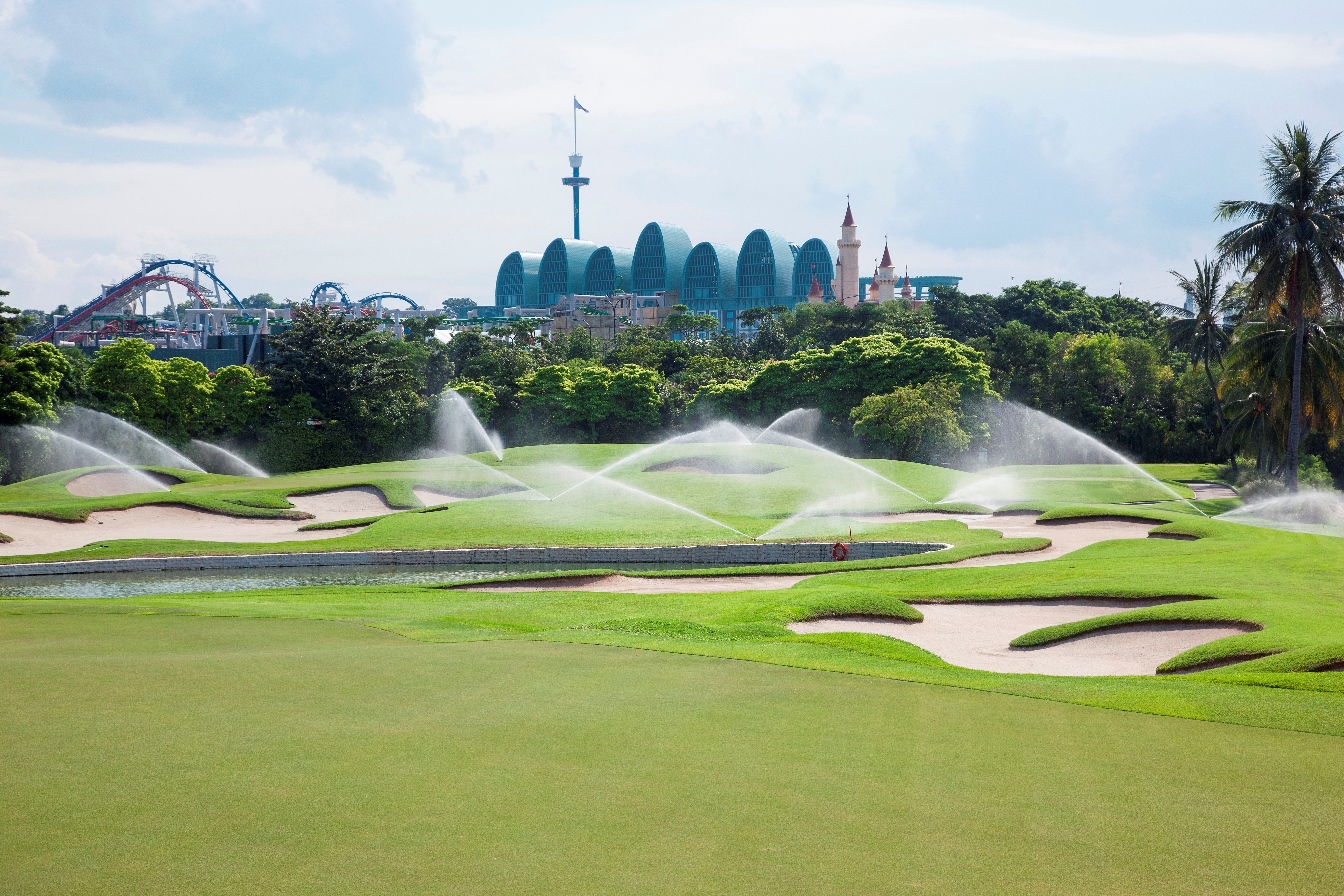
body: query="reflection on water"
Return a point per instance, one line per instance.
(134, 584)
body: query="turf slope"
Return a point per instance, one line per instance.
(165, 755)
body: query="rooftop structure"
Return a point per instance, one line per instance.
(710, 278)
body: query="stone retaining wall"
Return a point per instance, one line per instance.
(705, 554)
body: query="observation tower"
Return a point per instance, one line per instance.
(574, 162)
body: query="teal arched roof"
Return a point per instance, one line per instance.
(562, 267)
(608, 268)
(711, 274)
(764, 267)
(516, 284)
(660, 259)
(813, 258)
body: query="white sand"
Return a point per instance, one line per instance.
(342, 504)
(38, 536)
(1064, 537)
(1204, 490)
(110, 483)
(432, 497)
(976, 636)
(637, 585)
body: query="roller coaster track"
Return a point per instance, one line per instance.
(376, 299)
(123, 291)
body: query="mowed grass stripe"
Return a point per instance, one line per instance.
(156, 754)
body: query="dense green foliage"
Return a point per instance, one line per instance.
(336, 391)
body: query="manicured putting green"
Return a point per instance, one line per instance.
(211, 755)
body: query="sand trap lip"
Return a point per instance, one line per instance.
(619, 584)
(338, 504)
(432, 497)
(33, 535)
(1209, 490)
(716, 466)
(976, 636)
(1066, 536)
(112, 483)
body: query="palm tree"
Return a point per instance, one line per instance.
(1201, 332)
(1291, 246)
(1262, 360)
(1251, 425)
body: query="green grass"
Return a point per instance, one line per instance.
(422, 739)
(167, 755)
(1299, 612)
(510, 508)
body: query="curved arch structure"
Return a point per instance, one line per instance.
(709, 283)
(378, 298)
(562, 269)
(516, 284)
(326, 288)
(813, 260)
(660, 259)
(608, 268)
(764, 269)
(149, 275)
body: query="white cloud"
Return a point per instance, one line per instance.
(35, 279)
(417, 159)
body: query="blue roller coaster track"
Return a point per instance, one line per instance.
(329, 286)
(378, 297)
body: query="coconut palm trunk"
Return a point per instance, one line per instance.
(1299, 323)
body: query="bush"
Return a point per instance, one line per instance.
(913, 422)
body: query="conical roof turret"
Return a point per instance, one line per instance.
(849, 216)
(886, 257)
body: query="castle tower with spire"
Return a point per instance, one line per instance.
(885, 278)
(846, 283)
(814, 295)
(906, 292)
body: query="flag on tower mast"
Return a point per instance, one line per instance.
(578, 105)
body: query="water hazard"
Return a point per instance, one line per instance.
(138, 584)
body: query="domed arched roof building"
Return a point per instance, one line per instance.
(710, 278)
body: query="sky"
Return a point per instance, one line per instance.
(408, 145)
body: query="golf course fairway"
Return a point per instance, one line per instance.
(168, 754)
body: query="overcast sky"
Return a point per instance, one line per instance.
(409, 146)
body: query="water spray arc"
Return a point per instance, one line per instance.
(1038, 438)
(95, 427)
(603, 480)
(775, 433)
(222, 460)
(99, 457)
(717, 434)
(459, 431)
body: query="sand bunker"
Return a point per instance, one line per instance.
(977, 635)
(342, 504)
(719, 466)
(1207, 490)
(431, 497)
(38, 536)
(1065, 537)
(110, 483)
(635, 585)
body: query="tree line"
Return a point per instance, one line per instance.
(1251, 370)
